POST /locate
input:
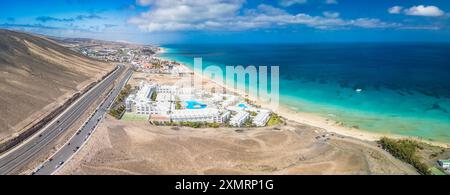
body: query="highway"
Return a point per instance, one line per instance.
(13, 161)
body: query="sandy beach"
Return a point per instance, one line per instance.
(307, 118)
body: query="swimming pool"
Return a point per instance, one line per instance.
(242, 106)
(195, 105)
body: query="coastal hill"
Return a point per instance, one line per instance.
(38, 76)
(135, 147)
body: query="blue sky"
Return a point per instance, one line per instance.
(232, 21)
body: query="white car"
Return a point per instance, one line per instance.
(59, 164)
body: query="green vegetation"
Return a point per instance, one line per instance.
(253, 113)
(118, 109)
(248, 101)
(436, 171)
(435, 154)
(154, 95)
(214, 125)
(178, 105)
(122, 95)
(157, 65)
(248, 123)
(189, 124)
(134, 117)
(117, 113)
(406, 150)
(274, 120)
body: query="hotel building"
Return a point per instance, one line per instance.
(208, 115)
(239, 119)
(261, 119)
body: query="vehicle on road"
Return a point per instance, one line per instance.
(59, 164)
(76, 149)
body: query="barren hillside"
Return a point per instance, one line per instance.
(36, 76)
(126, 147)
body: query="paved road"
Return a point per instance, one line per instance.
(66, 152)
(13, 161)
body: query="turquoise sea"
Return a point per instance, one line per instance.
(405, 86)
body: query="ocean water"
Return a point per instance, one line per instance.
(405, 86)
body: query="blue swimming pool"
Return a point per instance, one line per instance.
(243, 106)
(195, 105)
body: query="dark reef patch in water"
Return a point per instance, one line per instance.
(438, 107)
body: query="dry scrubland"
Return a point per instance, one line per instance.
(119, 147)
(36, 76)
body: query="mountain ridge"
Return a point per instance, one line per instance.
(38, 75)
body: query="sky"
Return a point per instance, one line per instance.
(232, 21)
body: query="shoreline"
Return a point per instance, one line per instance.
(311, 119)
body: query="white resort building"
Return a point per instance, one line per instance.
(129, 103)
(239, 119)
(261, 119)
(162, 108)
(199, 106)
(166, 89)
(201, 115)
(141, 100)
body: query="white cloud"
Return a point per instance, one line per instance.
(422, 10)
(373, 23)
(287, 3)
(170, 15)
(395, 10)
(269, 10)
(331, 14)
(192, 15)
